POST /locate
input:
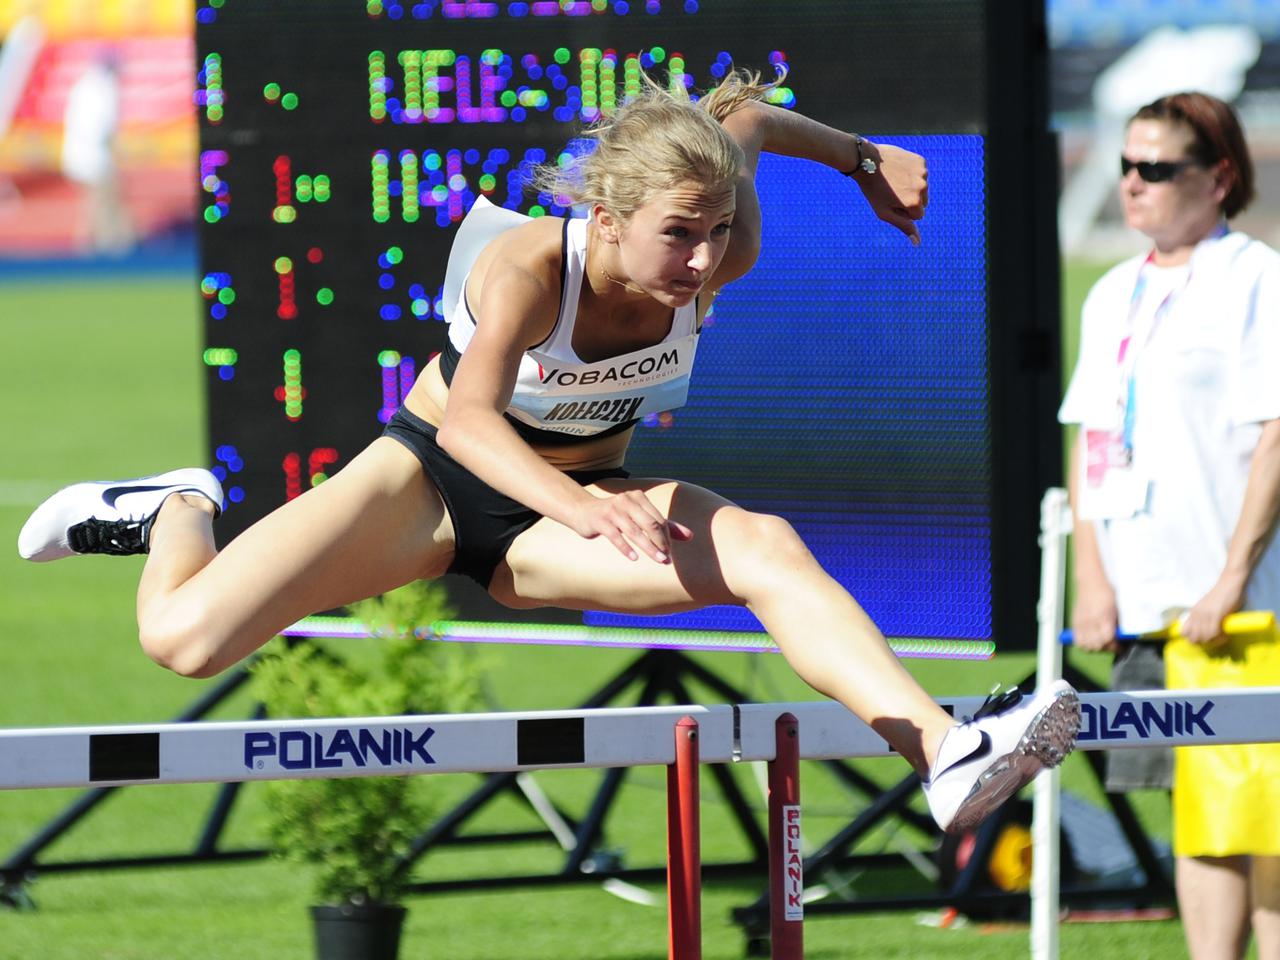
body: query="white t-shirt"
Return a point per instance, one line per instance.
(1206, 377)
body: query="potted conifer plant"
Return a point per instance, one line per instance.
(354, 832)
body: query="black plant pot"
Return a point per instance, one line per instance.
(369, 931)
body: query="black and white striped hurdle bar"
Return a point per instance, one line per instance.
(622, 737)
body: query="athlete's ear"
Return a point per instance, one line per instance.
(606, 223)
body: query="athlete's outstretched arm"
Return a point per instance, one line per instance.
(898, 191)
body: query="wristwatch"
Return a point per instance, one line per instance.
(865, 164)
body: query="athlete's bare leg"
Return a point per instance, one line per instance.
(375, 525)
(735, 557)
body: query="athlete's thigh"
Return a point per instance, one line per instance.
(549, 564)
(377, 524)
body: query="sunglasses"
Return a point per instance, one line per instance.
(1160, 171)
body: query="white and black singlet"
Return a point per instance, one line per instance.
(558, 397)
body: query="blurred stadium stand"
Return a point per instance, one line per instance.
(152, 41)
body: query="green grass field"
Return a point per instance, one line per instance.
(102, 378)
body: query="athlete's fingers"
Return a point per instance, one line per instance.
(614, 519)
(634, 525)
(613, 524)
(661, 529)
(678, 531)
(647, 535)
(651, 524)
(896, 218)
(642, 503)
(615, 537)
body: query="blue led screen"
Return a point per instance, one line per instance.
(842, 385)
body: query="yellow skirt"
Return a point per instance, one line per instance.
(1226, 800)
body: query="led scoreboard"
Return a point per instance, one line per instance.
(844, 384)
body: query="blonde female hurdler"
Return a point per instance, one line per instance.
(505, 462)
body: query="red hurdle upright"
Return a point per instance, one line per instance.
(684, 848)
(786, 859)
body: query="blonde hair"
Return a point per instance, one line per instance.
(655, 141)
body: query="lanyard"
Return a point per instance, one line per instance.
(1131, 345)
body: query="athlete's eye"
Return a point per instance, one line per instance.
(678, 232)
(721, 228)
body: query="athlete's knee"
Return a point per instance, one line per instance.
(765, 535)
(503, 589)
(178, 639)
(758, 547)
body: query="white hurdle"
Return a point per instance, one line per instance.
(130, 755)
(678, 737)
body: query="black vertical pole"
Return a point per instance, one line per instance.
(1023, 304)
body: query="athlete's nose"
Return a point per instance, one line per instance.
(700, 259)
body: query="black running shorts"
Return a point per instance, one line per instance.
(485, 522)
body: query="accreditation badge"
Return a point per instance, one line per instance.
(1111, 488)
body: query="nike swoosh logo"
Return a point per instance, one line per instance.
(112, 494)
(983, 749)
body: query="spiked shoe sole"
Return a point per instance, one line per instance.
(1046, 743)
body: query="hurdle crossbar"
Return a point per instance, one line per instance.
(127, 755)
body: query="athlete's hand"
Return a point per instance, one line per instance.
(1203, 623)
(899, 189)
(1094, 619)
(631, 522)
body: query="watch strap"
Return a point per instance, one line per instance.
(865, 164)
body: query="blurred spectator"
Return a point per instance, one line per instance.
(1175, 487)
(90, 125)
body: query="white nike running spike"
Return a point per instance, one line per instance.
(108, 516)
(986, 759)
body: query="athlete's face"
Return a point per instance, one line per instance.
(674, 243)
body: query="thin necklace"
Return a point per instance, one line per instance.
(610, 278)
(625, 285)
